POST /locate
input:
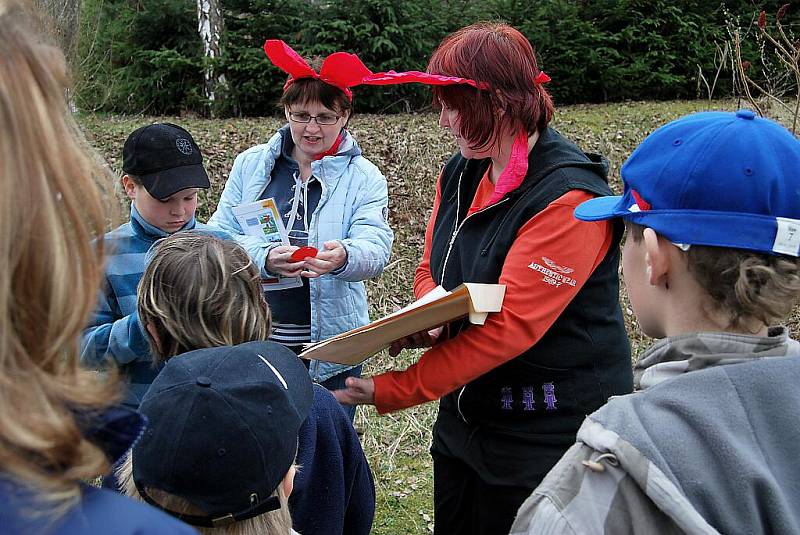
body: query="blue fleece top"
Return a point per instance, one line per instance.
(333, 490)
(99, 511)
(115, 335)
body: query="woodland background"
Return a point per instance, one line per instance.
(205, 57)
(620, 69)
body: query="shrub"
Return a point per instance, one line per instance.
(147, 56)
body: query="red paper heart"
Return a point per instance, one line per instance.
(303, 253)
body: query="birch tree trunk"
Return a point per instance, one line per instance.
(209, 26)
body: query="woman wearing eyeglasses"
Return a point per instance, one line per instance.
(330, 197)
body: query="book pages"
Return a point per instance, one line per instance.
(436, 308)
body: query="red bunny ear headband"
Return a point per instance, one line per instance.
(392, 77)
(340, 69)
(344, 71)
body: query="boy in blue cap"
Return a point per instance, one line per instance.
(711, 205)
(164, 171)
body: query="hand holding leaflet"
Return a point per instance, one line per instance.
(262, 218)
(425, 338)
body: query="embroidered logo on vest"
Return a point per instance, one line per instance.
(506, 398)
(554, 274)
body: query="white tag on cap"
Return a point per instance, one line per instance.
(787, 240)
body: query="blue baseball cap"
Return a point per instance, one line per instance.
(713, 178)
(222, 430)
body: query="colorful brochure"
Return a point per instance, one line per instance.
(262, 218)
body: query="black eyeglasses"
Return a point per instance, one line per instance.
(322, 118)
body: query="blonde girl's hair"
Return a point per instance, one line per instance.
(200, 291)
(51, 210)
(278, 522)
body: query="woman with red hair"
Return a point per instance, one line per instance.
(514, 391)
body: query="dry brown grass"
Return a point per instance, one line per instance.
(410, 149)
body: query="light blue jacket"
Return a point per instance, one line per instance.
(353, 209)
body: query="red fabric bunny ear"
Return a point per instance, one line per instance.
(343, 70)
(286, 59)
(340, 69)
(541, 78)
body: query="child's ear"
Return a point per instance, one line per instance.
(129, 186)
(288, 481)
(657, 259)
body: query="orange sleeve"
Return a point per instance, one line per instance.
(423, 280)
(551, 241)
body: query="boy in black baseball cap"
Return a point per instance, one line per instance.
(163, 170)
(200, 292)
(165, 159)
(221, 438)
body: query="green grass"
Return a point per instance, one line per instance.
(410, 150)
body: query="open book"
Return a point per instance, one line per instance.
(435, 308)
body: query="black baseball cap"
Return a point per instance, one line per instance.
(165, 158)
(222, 432)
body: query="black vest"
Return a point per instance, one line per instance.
(544, 393)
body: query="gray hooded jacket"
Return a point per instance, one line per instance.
(709, 445)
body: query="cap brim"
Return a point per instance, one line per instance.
(600, 208)
(166, 183)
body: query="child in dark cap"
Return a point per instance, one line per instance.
(221, 439)
(711, 205)
(163, 173)
(198, 292)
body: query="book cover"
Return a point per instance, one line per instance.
(437, 307)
